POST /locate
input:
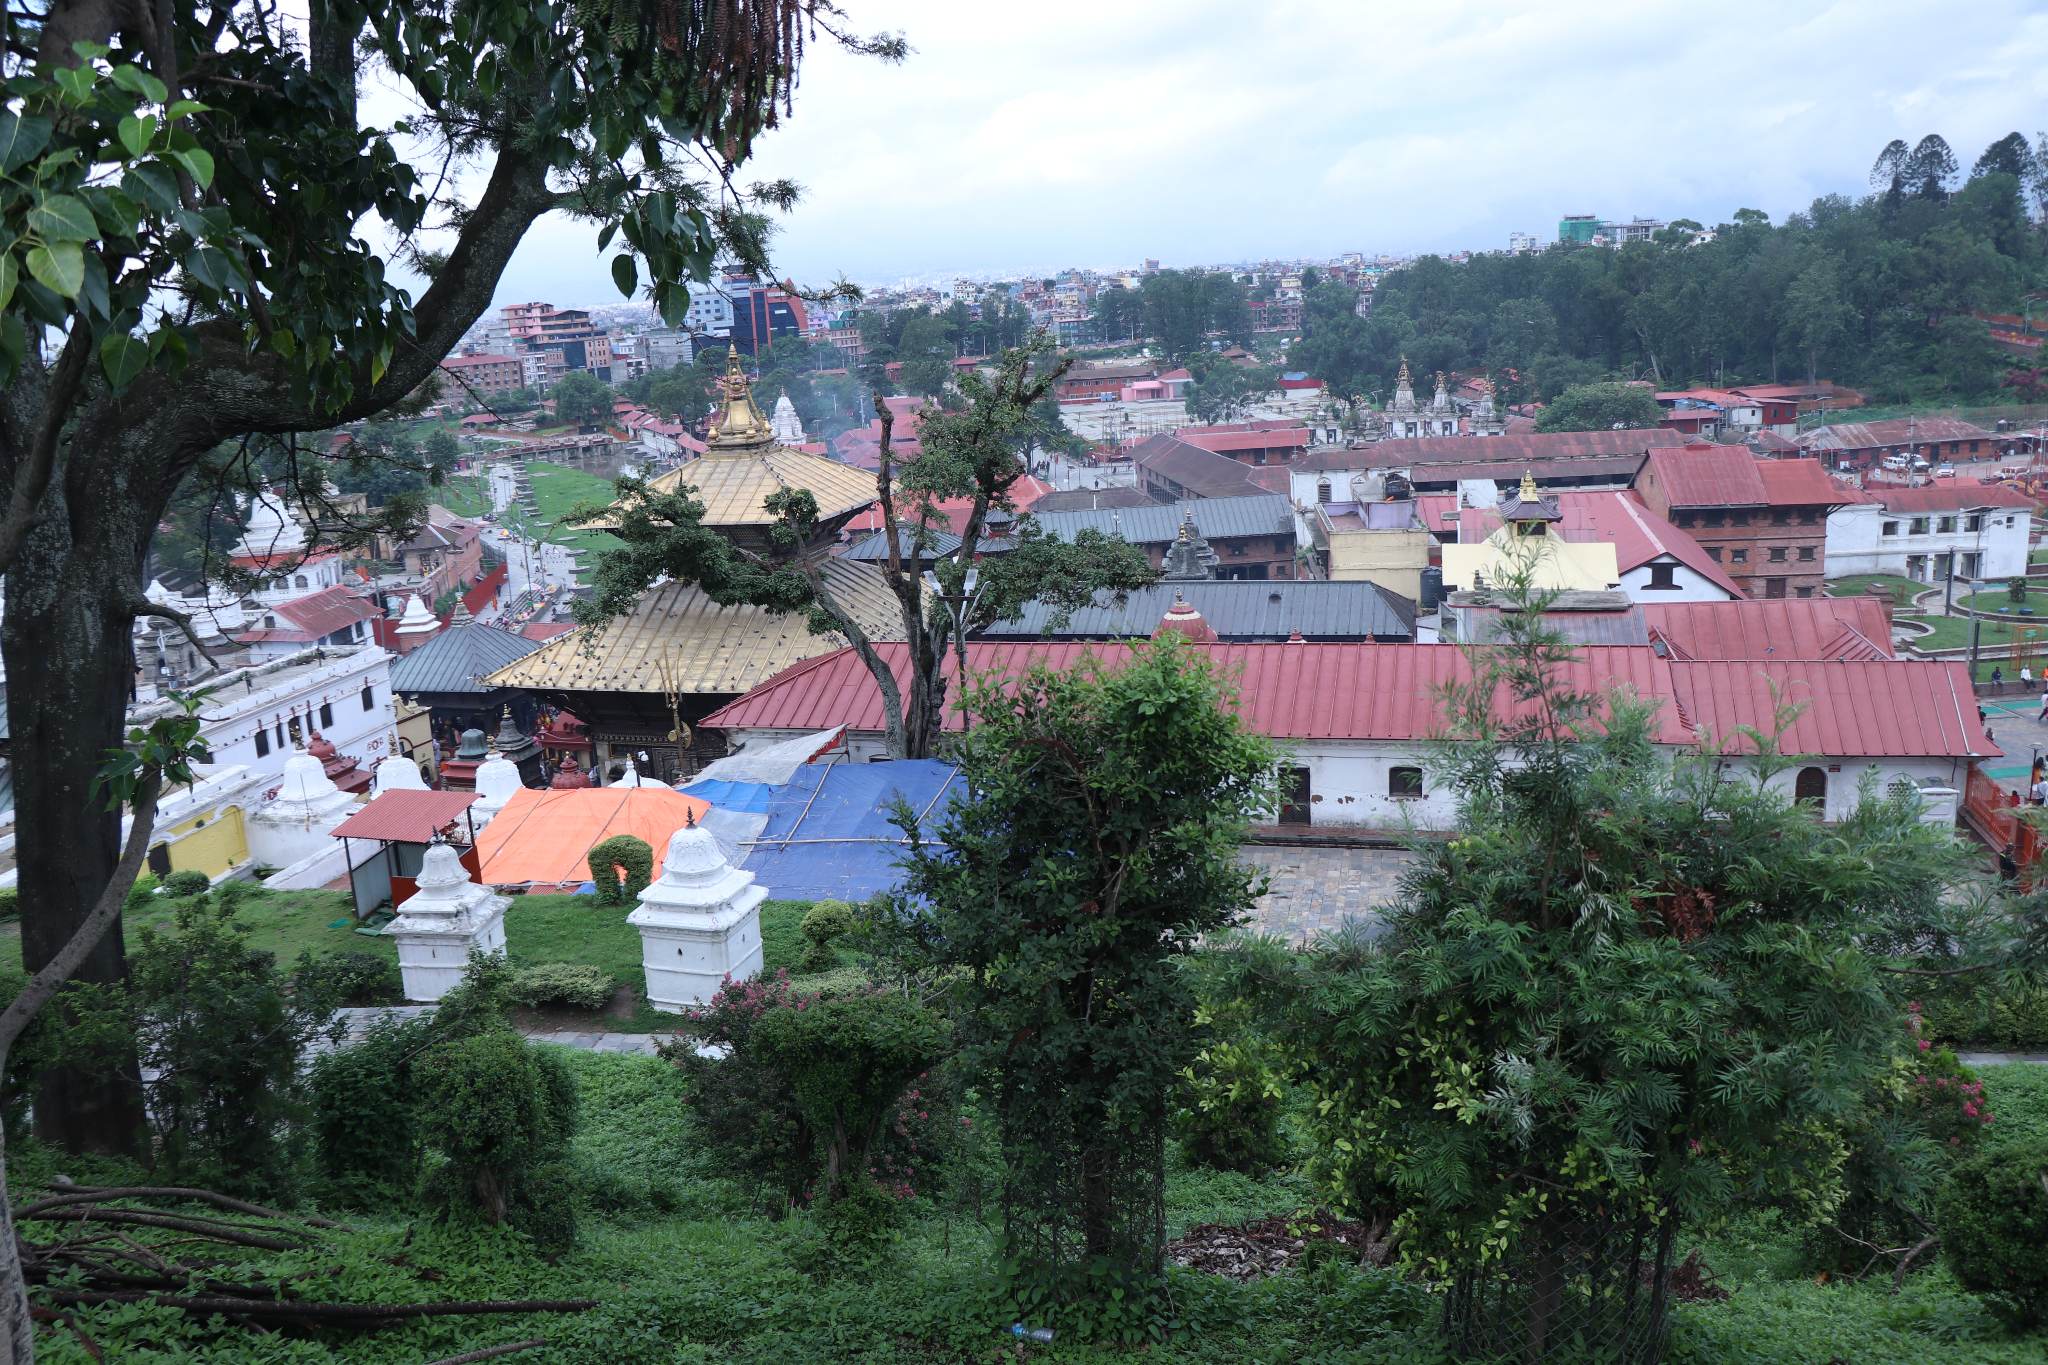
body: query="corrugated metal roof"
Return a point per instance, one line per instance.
(458, 660)
(1288, 691)
(1526, 447)
(405, 817)
(1262, 514)
(322, 613)
(874, 549)
(1951, 495)
(1717, 476)
(1247, 611)
(677, 637)
(1202, 472)
(1896, 431)
(1615, 469)
(1890, 709)
(1772, 628)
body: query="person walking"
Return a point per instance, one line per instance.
(2044, 708)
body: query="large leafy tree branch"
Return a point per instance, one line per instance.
(193, 190)
(973, 452)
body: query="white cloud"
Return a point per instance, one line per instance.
(1082, 132)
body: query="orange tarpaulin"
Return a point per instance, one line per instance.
(544, 837)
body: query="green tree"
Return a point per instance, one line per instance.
(973, 453)
(927, 356)
(1817, 313)
(1600, 407)
(1097, 845)
(1595, 1006)
(188, 270)
(582, 399)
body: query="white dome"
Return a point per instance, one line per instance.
(271, 529)
(305, 780)
(397, 773)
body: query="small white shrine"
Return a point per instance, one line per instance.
(293, 824)
(396, 773)
(699, 923)
(497, 782)
(441, 923)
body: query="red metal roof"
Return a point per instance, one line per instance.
(405, 817)
(1888, 709)
(1222, 442)
(1801, 483)
(320, 614)
(1291, 690)
(1513, 448)
(1951, 495)
(1772, 628)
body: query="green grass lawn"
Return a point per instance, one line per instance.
(557, 489)
(1902, 590)
(1995, 599)
(1953, 632)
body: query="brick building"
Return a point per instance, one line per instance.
(1763, 521)
(482, 375)
(1095, 383)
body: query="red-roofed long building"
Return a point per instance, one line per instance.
(1764, 521)
(1356, 718)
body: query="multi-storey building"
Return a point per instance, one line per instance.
(564, 338)
(762, 313)
(1763, 521)
(1946, 529)
(482, 375)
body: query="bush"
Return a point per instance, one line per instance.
(10, 906)
(621, 851)
(1993, 1217)
(347, 978)
(752, 1125)
(575, 985)
(187, 883)
(219, 1040)
(500, 1113)
(848, 1062)
(365, 1127)
(1229, 1115)
(1988, 1011)
(823, 925)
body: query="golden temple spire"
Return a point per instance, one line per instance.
(741, 422)
(1529, 491)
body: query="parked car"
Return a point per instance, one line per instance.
(1946, 471)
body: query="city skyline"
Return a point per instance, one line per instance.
(1096, 138)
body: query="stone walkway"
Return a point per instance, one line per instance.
(1314, 890)
(357, 1022)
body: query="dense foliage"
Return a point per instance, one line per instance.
(1875, 293)
(824, 924)
(1098, 843)
(575, 985)
(499, 1113)
(1601, 998)
(1994, 1227)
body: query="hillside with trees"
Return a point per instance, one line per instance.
(1876, 293)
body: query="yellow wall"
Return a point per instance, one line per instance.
(1549, 562)
(214, 847)
(1393, 559)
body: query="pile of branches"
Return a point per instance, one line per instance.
(98, 1257)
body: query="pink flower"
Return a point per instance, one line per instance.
(1970, 1110)
(1924, 1045)
(1913, 1005)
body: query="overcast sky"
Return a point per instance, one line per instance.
(1094, 133)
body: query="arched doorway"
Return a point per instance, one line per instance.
(1811, 786)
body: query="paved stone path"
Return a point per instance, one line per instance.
(1314, 890)
(357, 1022)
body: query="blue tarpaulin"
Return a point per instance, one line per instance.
(829, 833)
(746, 796)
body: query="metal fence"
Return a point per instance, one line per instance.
(1585, 1291)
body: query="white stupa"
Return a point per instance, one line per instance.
(396, 773)
(497, 781)
(294, 823)
(445, 920)
(788, 430)
(271, 529)
(699, 923)
(416, 626)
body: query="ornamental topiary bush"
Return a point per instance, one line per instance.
(187, 883)
(621, 853)
(824, 924)
(571, 984)
(1993, 1218)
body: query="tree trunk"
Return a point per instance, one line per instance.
(17, 1330)
(69, 675)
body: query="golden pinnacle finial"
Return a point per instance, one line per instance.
(1404, 371)
(1529, 491)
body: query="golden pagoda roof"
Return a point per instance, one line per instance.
(678, 639)
(744, 465)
